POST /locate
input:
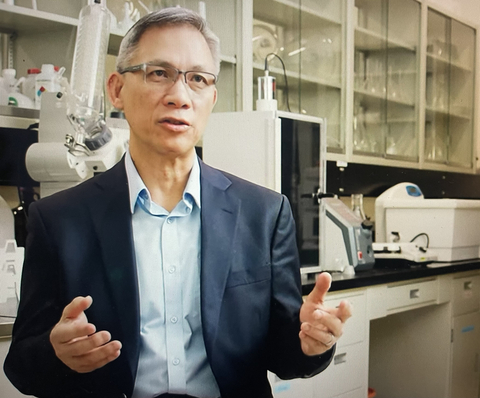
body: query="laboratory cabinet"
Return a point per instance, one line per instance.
(308, 37)
(386, 60)
(395, 79)
(414, 338)
(348, 372)
(466, 337)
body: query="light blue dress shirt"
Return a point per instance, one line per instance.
(168, 252)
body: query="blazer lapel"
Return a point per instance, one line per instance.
(114, 229)
(219, 215)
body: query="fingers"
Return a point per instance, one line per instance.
(314, 346)
(64, 332)
(344, 310)
(325, 322)
(96, 358)
(322, 285)
(322, 326)
(75, 342)
(76, 307)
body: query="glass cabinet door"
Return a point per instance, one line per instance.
(449, 91)
(386, 61)
(308, 36)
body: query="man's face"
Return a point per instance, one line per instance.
(168, 120)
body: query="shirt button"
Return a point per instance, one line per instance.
(169, 220)
(171, 270)
(173, 319)
(176, 361)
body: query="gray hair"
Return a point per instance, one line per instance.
(166, 17)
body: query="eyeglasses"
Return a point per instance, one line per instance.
(165, 76)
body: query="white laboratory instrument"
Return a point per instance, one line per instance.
(348, 239)
(279, 150)
(74, 139)
(11, 260)
(411, 252)
(446, 228)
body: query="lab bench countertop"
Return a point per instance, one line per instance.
(392, 272)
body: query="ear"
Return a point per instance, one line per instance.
(214, 97)
(114, 89)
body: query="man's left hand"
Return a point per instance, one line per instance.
(321, 326)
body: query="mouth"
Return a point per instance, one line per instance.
(174, 121)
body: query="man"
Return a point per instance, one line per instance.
(164, 277)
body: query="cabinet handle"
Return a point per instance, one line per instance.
(340, 358)
(467, 285)
(414, 293)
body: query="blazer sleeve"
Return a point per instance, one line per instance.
(286, 358)
(31, 364)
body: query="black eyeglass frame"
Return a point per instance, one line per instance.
(143, 67)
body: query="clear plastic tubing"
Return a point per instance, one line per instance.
(89, 61)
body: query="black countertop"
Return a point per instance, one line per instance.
(393, 272)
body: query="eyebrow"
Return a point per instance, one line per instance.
(158, 62)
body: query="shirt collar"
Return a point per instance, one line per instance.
(137, 187)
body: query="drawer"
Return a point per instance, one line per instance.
(347, 372)
(354, 329)
(296, 388)
(466, 295)
(358, 393)
(411, 295)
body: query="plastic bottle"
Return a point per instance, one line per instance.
(46, 80)
(28, 87)
(3, 93)
(9, 79)
(16, 98)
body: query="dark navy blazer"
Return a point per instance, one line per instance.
(80, 243)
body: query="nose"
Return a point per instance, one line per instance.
(177, 94)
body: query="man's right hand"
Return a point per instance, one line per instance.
(75, 342)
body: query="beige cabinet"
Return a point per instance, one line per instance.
(465, 344)
(347, 375)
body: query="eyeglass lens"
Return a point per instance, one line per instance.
(165, 75)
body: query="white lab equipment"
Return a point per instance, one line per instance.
(7, 222)
(11, 260)
(448, 228)
(281, 151)
(74, 139)
(348, 239)
(85, 99)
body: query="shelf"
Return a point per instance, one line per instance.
(21, 19)
(293, 77)
(432, 57)
(430, 111)
(13, 111)
(278, 12)
(366, 40)
(378, 97)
